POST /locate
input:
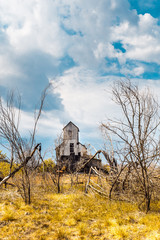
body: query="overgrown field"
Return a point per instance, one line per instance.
(73, 215)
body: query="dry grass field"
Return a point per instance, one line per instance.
(73, 215)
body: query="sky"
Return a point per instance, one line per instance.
(81, 47)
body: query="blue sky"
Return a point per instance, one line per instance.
(82, 47)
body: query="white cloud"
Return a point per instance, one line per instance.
(38, 25)
(132, 71)
(141, 41)
(86, 97)
(84, 30)
(33, 25)
(8, 68)
(49, 125)
(87, 102)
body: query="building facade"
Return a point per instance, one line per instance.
(71, 144)
(71, 152)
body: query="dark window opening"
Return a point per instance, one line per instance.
(71, 147)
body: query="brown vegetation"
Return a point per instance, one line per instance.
(107, 203)
(136, 138)
(73, 214)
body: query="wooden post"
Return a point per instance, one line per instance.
(87, 185)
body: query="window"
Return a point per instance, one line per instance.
(71, 147)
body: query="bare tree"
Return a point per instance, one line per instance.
(22, 151)
(136, 134)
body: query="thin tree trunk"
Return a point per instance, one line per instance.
(87, 185)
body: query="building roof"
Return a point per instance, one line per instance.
(82, 144)
(72, 124)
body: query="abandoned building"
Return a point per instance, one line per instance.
(71, 153)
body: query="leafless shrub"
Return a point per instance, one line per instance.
(22, 151)
(136, 138)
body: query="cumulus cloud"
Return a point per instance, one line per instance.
(49, 124)
(82, 30)
(74, 43)
(86, 98)
(77, 28)
(141, 41)
(33, 25)
(132, 71)
(8, 68)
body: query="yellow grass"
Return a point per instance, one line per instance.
(4, 168)
(74, 215)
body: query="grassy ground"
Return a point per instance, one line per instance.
(74, 215)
